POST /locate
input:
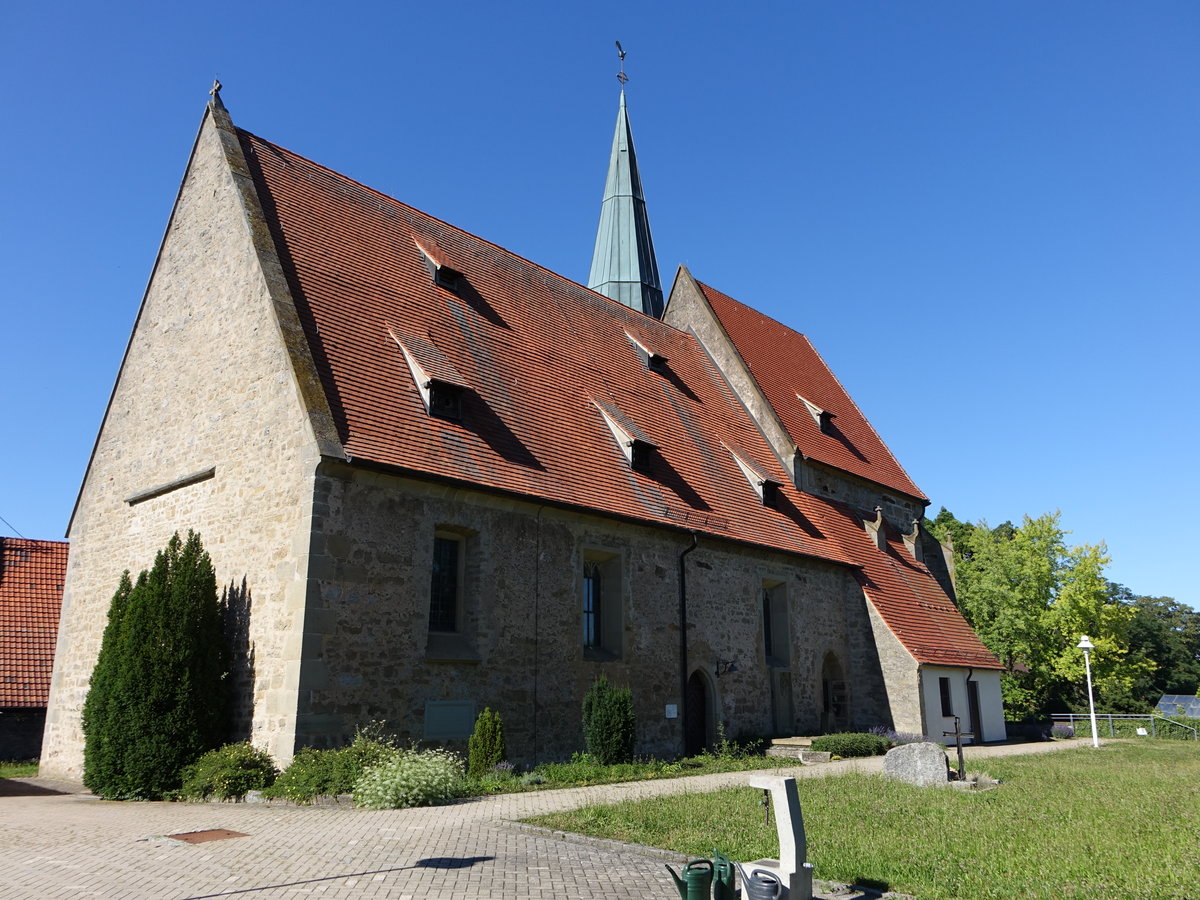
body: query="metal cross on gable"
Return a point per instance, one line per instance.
(959, 734)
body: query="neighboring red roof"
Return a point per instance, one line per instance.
(785, 365)
(31, 585)
(540, 355)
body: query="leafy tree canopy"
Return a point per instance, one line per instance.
(1030, 597)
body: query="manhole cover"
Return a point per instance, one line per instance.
(199, 837)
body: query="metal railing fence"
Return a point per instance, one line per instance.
(1085, 726)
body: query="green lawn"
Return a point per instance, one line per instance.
(19, 769)
(1122, 821)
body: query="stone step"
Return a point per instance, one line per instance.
(797, 748)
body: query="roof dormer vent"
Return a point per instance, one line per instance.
(637, 448)
(652, 359)
(440, 385)
(443, 275)
(822, 417)
(760, 479)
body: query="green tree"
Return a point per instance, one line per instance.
(1030, 598)
(1006, 580)
(1082, 607)
(1165, 632)
(157, 699)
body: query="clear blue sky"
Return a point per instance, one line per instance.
(986, 216)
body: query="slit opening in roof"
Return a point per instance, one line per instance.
(443, 276)
(651, 359)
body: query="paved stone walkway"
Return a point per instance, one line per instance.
(55, 842)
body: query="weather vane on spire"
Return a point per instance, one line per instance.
(621, 76)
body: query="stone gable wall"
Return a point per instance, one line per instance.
(901, 674)
(206, 383)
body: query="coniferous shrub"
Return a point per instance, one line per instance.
(485, 747)
(608, 723)
(228, 772)
(157, 700)
(105, 743)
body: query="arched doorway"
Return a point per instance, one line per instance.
(834, 699)
(698, 703)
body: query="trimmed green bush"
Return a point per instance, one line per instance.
(228, 772)
(852, 743)
(485, 748)
(328, 773)
(411, 778)
(157, 699)
(608, 723)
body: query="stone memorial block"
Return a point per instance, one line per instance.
(923, 764)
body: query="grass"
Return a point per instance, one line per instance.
(580, 771)
(26, 768)
(1121, 821)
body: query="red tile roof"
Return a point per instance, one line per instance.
(31, 584)
(907, 596)
(540, 358)
(540, 355)
(785, 365)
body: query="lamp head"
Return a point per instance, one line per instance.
(1085, 644)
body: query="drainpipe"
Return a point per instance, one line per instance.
(683, 641)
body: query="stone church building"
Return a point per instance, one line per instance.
(438, 477)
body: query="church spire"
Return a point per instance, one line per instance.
(623, 264)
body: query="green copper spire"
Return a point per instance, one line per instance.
(623, 264)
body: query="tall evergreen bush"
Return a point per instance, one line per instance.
(485, 748)
(608, 723)
(157, 699)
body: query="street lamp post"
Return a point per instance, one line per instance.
(1085, 645)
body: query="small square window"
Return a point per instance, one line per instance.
(445, 277)
(445, 401)
(640, 455)
(770, 493)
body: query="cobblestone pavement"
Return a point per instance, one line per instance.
(55, 842)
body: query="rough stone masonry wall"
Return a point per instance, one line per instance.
(901, 674)
(367, 626)
(206, 382)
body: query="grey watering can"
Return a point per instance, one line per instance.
(696, 881)
(759, 884)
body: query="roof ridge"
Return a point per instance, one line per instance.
(444, 223)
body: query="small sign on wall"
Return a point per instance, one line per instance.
(449, 719)
(672, 711)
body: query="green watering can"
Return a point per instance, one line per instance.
(696, 881)
(723, 877)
